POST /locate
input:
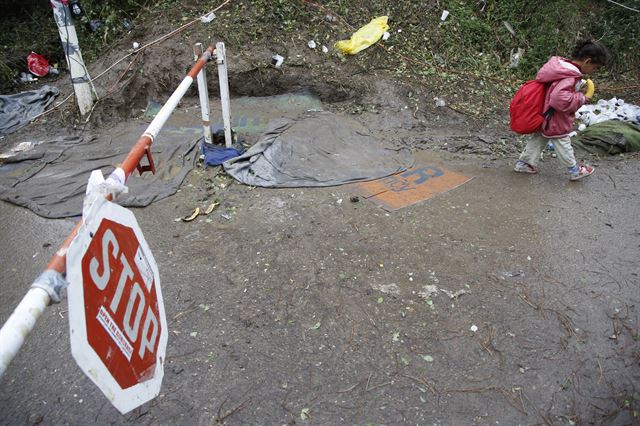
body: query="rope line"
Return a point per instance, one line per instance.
(136, 52)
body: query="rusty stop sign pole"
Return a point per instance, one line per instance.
(46, 288)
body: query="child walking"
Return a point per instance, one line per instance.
(564, 97)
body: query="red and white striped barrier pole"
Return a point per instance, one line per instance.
(203, 93)
(46, 288)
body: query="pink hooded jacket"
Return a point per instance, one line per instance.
(561, 96)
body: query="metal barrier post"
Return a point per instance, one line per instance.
(224, 92)
(203, 93)
(46, 288)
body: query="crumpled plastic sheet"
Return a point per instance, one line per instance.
(612, 109)
(19, 109)
(51, 178)
(317, 149)
(364, 37)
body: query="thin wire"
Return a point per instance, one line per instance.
(137, 51)
(622, 5)
(160, 39)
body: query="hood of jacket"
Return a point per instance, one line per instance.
(557, 68)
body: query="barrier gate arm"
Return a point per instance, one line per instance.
(46, 288)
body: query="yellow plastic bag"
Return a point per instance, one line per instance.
(364, 37)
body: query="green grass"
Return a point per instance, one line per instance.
(473, 40)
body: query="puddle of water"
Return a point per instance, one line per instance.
(249, 115)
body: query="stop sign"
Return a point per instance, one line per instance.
(116, 313)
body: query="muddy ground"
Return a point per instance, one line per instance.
(303, 306)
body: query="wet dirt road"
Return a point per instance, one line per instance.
(303, 309)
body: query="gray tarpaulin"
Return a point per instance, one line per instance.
(316, 149)
(19, 109)
(50, 179)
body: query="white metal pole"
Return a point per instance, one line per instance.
(44, 290)
(203, 92)
(224, 92)
(20, 323)
(79, 73)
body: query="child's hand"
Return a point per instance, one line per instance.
(588, 89)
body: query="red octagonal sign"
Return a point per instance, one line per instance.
(116, 313)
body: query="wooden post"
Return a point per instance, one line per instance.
(79, 73)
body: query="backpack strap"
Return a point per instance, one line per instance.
(548, 114)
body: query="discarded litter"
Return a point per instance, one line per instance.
(136, 45)
(75, 8)
(519, 273)
(26, 77)
(207, 18)
(516, 55)
(37, 64)
(612, 109)
(444, 15)
(364, 37)
(212, 206)
(325, 49)
(312, 44)
(94, 25)
(474, 328)
(192, 216)
(509, 28)
(386, 36)
(277, 60)
(304, 414)
(440, 102)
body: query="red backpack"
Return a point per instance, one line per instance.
(526, 108)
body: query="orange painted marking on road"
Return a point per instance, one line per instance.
(412, 186)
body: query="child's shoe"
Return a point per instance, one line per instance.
(522, 167)
(578, 172)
